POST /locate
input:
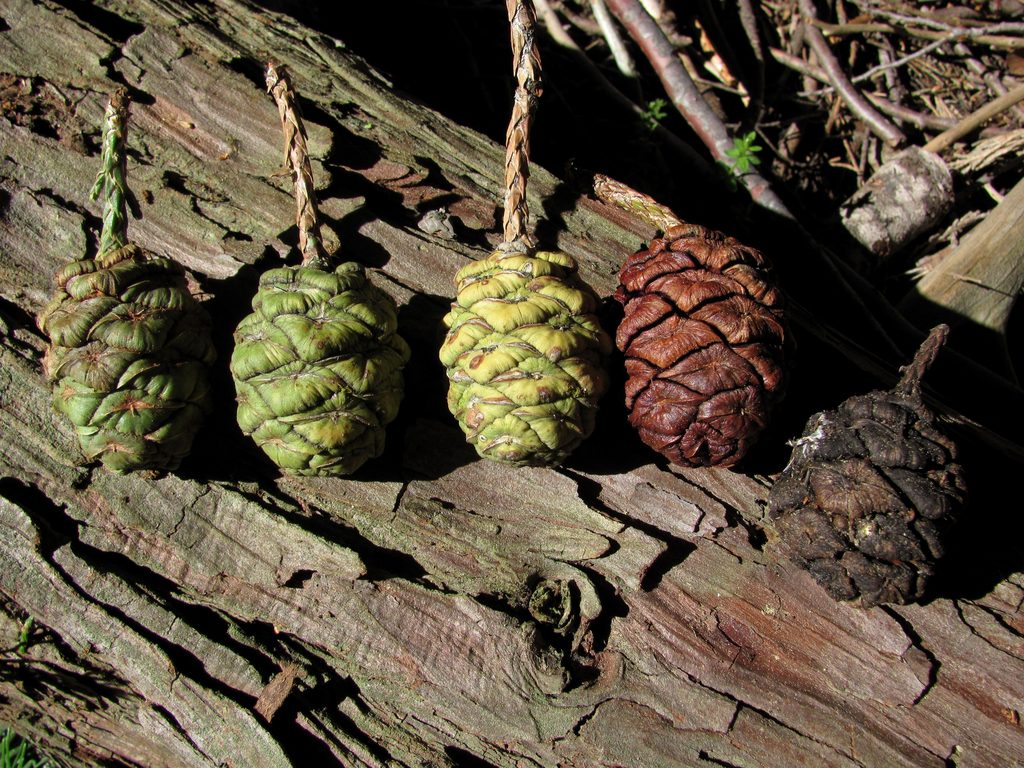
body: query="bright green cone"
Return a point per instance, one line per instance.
(525, 357)
(318, 369)
(129, 346)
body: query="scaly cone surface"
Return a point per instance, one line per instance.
(525, 353)
(318, 364)
(129, 346)
(871, 491)
(704, 337)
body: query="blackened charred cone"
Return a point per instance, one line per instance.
(870, 493)
(704, 340)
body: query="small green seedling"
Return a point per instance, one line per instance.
(16, 753)
(26, 630)
(744, 153)
(657, 110)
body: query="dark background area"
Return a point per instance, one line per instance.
(454, 56)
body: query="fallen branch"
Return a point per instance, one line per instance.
(975, 120)
(553, 26)
(687, 98)
(880, 125)
(981, 280)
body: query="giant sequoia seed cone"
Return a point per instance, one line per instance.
(128, 356)
(704, 341)
(318, 368)
(525, 357)
(869, 493)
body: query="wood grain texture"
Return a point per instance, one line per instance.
(434, 608)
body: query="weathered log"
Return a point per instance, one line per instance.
(434, 609)
(976, 286)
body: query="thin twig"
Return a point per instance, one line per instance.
(687, 98)
(894, 87)
(616, 44)
(975, 120)
(876, 121)
(748, 20)
(938, 31)
(923, 51)
(554, 28)
(644, 207)
(1003, 27)
(911, 374)
(297, 159)
(991, 79)
(904, 114)
(897, 111)
(526, 63)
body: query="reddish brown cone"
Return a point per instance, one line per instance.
(704, 341)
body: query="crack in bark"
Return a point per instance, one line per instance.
(398, 500)
(741, 704)
(183, 661)
(677, 549)
(185, 509)
(171, 720)
(600, 627)
(754, 531)
(94, 19)
(177, 183)
(184, 665)
(141, 581)
(708, 758)
(462, 758)
(14, 318)
(995, 616)
(915, 639)
(319, 691)
(381, 563)
(54, 527)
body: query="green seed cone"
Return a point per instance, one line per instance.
(525, 357)
(318, 369)
(128, 358)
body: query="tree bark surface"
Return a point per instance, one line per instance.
(435, 609)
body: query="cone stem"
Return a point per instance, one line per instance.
(110, 181)
(910, 381)
(526, 63)
(297, 159)
(642, 206)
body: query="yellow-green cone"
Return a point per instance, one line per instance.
(525, 357)
(318, 369)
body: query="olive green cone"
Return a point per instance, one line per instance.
(525, 357)
(318, 368)
(128, 358)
